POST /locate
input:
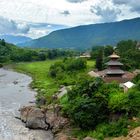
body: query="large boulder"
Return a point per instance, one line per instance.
(34, 118)
(54, 118)
(24, 111)
(57, 123)
(50, 118)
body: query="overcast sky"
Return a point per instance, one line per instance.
(36, 18)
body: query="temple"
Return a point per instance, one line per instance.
(114, 71)
(114, 67)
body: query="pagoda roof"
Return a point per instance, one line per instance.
(114, 55)
(114, 63)
(114, 71)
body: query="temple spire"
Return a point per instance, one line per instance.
(114, 65)
(114, 55)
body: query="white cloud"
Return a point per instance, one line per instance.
(107, 14)
(133, 4)
(8, 26)
(35, 33)
(78, 12)
(33, 30)
(48, 11)
(76, 1)
(41, 29)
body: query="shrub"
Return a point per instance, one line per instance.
(86, 106)
(56, 69)
(136, 79)
(134, 101)
(1, 65)
(118, 102)
(75, 64)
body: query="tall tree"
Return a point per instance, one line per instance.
(99, 60)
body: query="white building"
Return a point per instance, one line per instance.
(128, 85)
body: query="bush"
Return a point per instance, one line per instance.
(134, 102)
(105, 108)
(1, 65)
(118, 102)
(87, 113)
(112, 129)
(75, 64)
(136, 79)
(62, 73)
(85, 106)
(56, 69)
(67, 65)
(118, 128)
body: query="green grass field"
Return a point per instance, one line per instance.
(41, 79)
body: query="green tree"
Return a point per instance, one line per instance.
(108, 50)
(99, 60)
(86, 106)
(130, 54)
(3, 42)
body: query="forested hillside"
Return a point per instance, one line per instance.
(83, 37)
(12, 53)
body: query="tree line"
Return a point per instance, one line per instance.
(12, 53)
(128, 50)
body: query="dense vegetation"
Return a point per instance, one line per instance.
(83, 37)
(128, 50)
(61, 70)
(11, 53)
(101, 109)
(130, 54)
(97, 108)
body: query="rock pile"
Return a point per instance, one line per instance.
(33, 118)
(46, 119)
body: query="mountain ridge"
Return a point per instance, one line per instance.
(86, 36)
(14, 39)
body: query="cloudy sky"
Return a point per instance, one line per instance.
(35, 18)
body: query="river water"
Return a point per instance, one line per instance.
(15, 93)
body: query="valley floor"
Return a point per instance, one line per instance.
(47, 86)
(39, 71)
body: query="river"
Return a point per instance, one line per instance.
(14, 93)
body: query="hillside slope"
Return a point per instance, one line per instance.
(15, 39)
(86, 36)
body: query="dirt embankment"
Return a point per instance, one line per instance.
(133, 135)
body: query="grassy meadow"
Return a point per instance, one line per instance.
(42, 81)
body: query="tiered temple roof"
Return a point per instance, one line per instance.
(114, 63)
(114, 71)
(114, 56)
(114, 66)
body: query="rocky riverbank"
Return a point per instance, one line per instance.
(14, 94)
(45, 119)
